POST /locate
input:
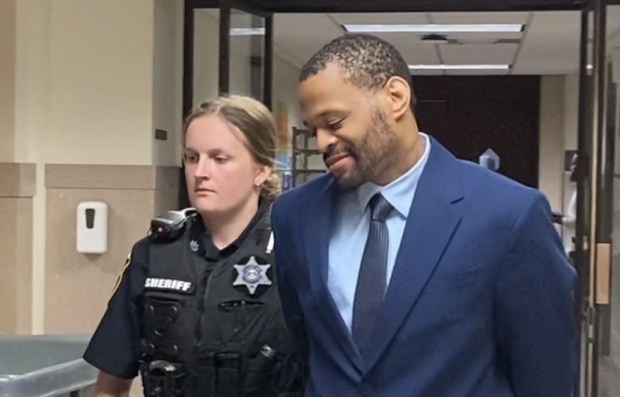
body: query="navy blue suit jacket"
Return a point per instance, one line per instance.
(480, 302)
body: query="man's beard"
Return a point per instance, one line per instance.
(370, 153)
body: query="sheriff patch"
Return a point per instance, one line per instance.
(119, 278)
(166, 284)
(252, 274)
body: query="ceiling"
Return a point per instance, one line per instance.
(549, 43)
(400, 5)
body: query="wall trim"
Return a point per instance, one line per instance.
(121, 177)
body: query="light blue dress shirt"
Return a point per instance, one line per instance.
(351, 226)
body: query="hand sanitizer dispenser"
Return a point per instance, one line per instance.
(92, 227)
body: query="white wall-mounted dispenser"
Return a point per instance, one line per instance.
(92, 227)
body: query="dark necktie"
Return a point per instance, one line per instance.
(371, 283)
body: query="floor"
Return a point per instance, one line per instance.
(609, 378)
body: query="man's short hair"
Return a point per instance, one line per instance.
(367, 61)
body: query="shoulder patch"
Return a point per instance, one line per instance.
(120, 274)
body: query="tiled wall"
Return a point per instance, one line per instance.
(78, 285)
(17, 187)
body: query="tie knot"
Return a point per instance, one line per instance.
(380, 208)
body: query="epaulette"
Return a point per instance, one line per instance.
(169, 226)
(263, 229)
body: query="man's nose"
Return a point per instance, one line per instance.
(324, 139)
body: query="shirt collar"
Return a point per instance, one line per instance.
(399, 193)
(203, 245)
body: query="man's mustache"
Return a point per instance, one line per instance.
(338, 150)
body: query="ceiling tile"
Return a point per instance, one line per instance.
(301, 35)
(381, 18)
(412, 48)
(479, 17)
(550, 43)
(478, 53)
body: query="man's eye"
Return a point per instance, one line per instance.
(335, 126)
(221, 159)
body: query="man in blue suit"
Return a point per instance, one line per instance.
(410, 273)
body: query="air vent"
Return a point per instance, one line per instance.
(434, 37)
(480, 41)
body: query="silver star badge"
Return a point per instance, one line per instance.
(252, 274)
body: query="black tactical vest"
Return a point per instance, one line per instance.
(213, 329)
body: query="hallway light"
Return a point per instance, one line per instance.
(247, 31)
(435, 28)
(460, 67)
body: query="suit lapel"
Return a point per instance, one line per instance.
(432, 219)
(318, 226)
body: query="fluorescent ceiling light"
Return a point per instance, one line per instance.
(436, 28)
(460, 67)
(247, 31)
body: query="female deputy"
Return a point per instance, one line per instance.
(196, 311)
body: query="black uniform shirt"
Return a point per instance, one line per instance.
(114, 347)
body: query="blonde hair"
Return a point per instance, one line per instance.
(258, 127)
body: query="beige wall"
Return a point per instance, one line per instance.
(551, 147)
(17, 186)
(559, 111)
(558, 132)
(84, 84)
(32, 93)
(105, 107)
(7, 79)
(571, 111)
(101, 82)
(79, 285)
(167, 80)
(32, 80)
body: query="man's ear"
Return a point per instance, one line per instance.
(398, 93)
